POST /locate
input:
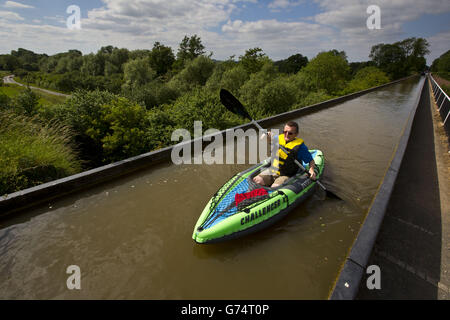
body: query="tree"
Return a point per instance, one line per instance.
(28, 101)
(341, 54)
(390, 58)
(201, 105)
(190, 48)
(161, 58)
(92, 65)
(328, 71)
(119, 57)
(234, 78)
(293, 64)
(9, 62)
(138, 72)
(124, 124)
(253, 60)
(441, 65)
(366, 78)
(401, 58)
(82, 113)
(196, 73)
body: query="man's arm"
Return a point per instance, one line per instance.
(305, 156)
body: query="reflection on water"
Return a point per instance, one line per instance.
(132, 238)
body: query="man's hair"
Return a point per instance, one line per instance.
(293, 124)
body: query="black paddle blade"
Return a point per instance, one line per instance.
(233, 104)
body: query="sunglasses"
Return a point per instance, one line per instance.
(289, 133)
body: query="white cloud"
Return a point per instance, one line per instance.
(439, 44)
(8, 15)
(277, 39)
(351, 14)
(13, 4)
(283, 4)
(348, 18)
(137, 24)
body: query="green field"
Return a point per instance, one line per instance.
(12, 90)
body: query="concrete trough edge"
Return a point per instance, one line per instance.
(27, 198)
(348, 281)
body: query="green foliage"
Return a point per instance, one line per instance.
(83, 113)
(160, 128)
(9, 62)
(365, 78)
(190, 48)
(5, 101)
(356, 66)
(138, 73)
(161, 58)
(32, 153)
(27, 101)
(276, 97)
(401, 58)
(201, 105)
(328, 71)
(293, 64)
(195, 74)
(152, 94)
(441, 65)
(315, 97)
(253, 60)
(251, 89)
(215, 80)
(121, 129)
(234, 78)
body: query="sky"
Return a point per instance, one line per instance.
(281, 28)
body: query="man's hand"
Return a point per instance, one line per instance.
(312, 174)
(268, 135)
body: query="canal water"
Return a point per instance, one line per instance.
(131, 238)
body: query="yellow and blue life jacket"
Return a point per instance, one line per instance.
(284, 165)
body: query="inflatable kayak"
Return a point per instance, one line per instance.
(241, 206)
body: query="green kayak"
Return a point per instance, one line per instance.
(241, 206)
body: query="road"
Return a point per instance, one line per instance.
(10, 79)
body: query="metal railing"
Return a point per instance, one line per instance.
(442, 102)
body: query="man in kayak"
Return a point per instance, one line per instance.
(290, 148)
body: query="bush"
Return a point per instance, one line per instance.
(32, 153)
(201, 105)
(251, 89)
(5, 102)
(121, 129)
(195, 74)
(328, 71)
(277, 97)
(234, 78)
(159, 129)
(82, 112)
(152, 94)
(365, 78)
(27, 101)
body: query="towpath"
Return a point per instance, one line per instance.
(10, 79)
(413, 245)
